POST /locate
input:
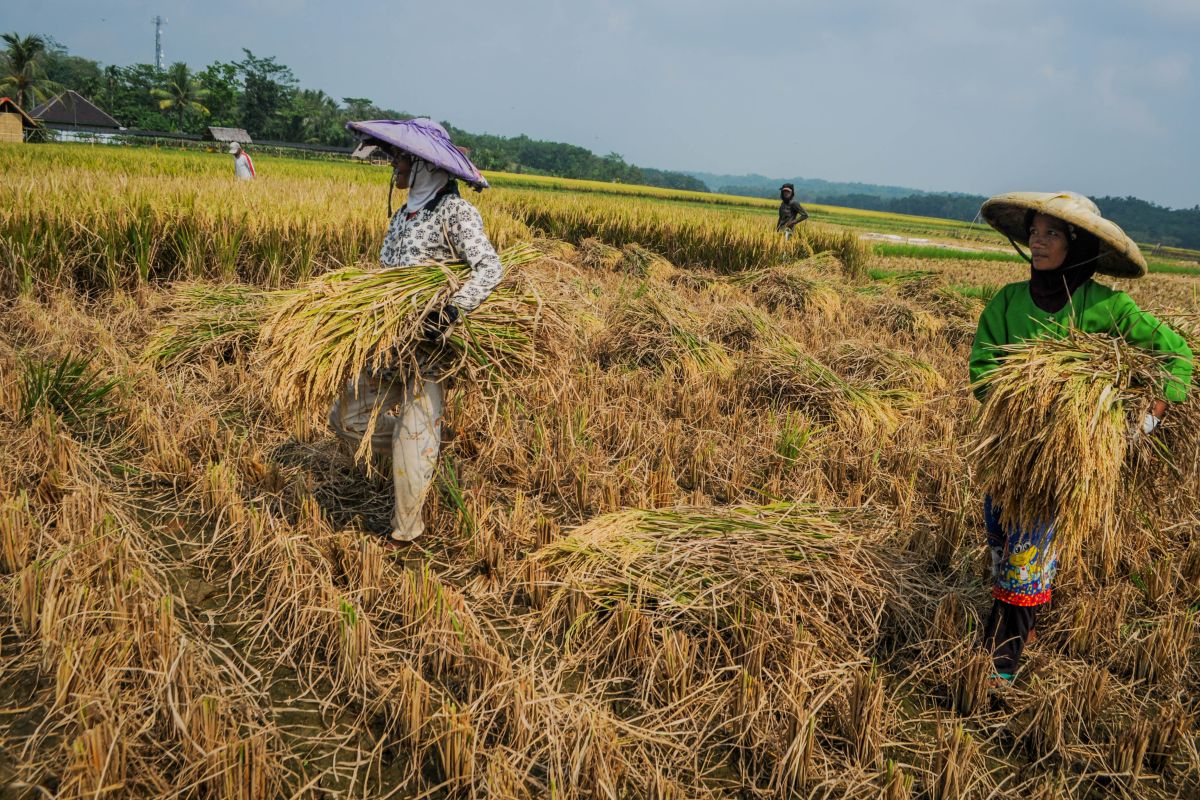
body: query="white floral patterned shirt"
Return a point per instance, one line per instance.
(423, 238)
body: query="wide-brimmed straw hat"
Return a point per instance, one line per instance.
(424, 139)
(1119, 255)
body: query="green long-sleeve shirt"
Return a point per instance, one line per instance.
(1012, 317)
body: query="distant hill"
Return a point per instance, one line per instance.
(1144, 221)
(761, 186)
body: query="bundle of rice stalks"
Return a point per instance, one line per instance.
(781, 371)
(210, 320)
(798, 287)
(325, 334)
(595, 254)
(886, 368)
(904, 319)
(743, 575)
(654, 329)
(642, 263)
(1055, 430)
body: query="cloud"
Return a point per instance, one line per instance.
(936, 95)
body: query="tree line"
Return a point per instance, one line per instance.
(1144, 221)
(263, 96)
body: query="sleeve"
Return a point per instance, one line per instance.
(464, 228)
(1144, 330)
(801, 214)
(990, 335)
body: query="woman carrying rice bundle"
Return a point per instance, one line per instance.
(1068, 243)
(403, 418)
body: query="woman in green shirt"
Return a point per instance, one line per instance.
(1068, 242)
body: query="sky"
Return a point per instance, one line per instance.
(1096, 96)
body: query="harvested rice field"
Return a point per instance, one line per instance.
(714, 530)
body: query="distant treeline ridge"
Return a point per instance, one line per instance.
(1145, 221)
(264, 97)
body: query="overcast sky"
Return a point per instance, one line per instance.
(1097, 96)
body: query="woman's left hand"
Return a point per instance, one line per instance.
(1153, 417)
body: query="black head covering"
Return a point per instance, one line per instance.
(1052, 288)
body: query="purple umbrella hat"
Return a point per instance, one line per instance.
(421, 138)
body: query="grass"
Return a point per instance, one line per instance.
(69, 387)
(932, 252)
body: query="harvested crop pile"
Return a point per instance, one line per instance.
(802, 286)
(652, 330)
(1056, 429)
(705, 571)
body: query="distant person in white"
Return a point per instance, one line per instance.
(243, 167)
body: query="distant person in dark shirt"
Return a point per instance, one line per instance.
(790, 211)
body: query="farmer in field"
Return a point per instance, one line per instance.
(434, 224)
(1068, 243)
(791, 212)
(243, 167)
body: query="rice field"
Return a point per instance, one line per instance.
(719, 535)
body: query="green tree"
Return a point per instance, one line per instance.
(268, 87)
(22, 72)
(72, 72)
(182, 92)
(313, 117)
(222, 82)
(132, 98)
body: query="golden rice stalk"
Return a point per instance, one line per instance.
(865, 722)
(968, 682)
(799, 286)
(210, 320)
(779, 370)
(1167, 731)
(644, 263)
(16, 532)
(706, 571)
(952, 762)
(1127, 752)
(654, 329)
(1055, 429)
(455, 744)
(323, 335)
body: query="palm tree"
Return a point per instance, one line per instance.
(21, 69)
(182, 92)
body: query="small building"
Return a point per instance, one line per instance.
(227, 135)
(13, 121)
(72, 111)
(370, 153)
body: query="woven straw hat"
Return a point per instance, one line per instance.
(1119, 255)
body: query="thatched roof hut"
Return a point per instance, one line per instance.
(13, 121)
(227, 135)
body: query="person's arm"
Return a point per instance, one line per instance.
(1144, 330)
(990, 336)
(464, 228)
(800, 213)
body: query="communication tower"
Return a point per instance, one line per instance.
(158, 21)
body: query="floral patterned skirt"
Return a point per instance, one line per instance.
(1023, 561)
